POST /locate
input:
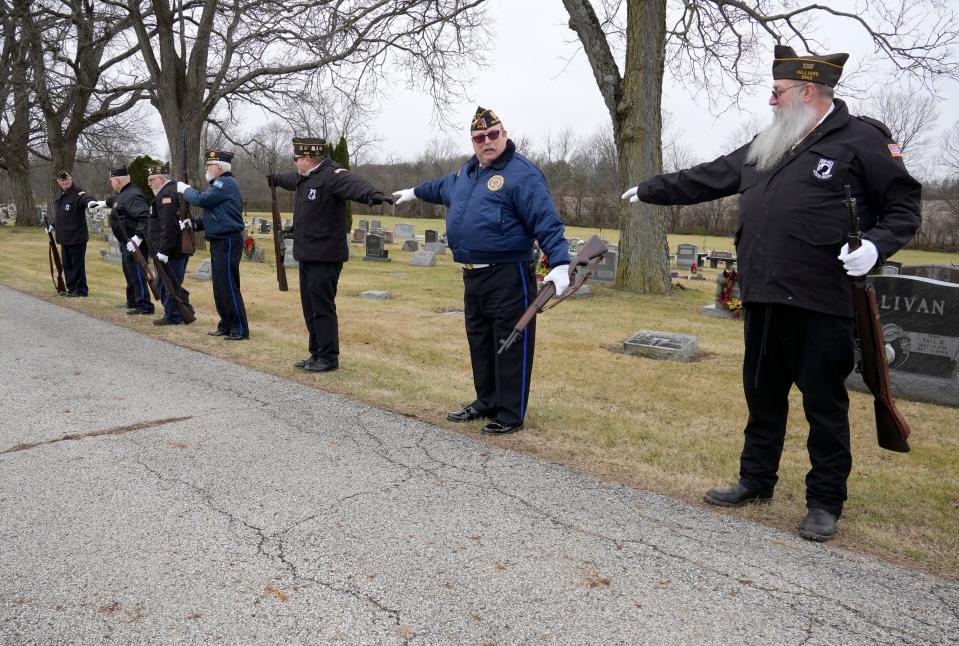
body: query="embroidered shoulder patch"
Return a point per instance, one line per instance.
(895, 150)
(218, 183)
(495, 183)
(166, 200)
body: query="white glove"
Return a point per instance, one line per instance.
(860, 261)
(406, 195)
(49, 228)
(181, 187)
(559, 276)
(631, 194)
(102, 204)
(185, 224)
(131, 247)
(162, 257)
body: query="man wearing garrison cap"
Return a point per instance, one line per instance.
(319, 240)
(128, 221)
(794, 267)
(222, 225)
(498, 205)
(70, 223)
(163, 233)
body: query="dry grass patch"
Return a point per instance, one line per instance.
(667, 427)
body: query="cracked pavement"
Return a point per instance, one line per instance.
(249, 509)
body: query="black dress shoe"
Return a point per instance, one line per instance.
(136, 310)
(818, 525)
(72, 295)
(501, 428)
(320, 365)
(166, 322)
(468, 414)
(235, 337)
(216, 333)
(302, 362)
(735, 496)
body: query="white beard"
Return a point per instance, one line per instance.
(790, 124)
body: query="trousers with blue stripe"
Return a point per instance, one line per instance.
(495, 297)
(225, 270)
(138, 289)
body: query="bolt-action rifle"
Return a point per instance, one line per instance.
(187, 243)
(891, 428)
(581, 268)
(278, 245)
(141, 260)
(54, 256)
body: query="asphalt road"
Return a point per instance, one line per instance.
(198, 501)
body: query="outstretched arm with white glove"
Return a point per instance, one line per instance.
(559, 276)
(860, 261)
(631, 194)
(404, 195)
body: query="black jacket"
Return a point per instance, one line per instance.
(130, 213)
(793, 221)
(70, 220)
(319, 210)
(163, 227)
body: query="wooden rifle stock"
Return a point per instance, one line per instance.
(173, 289)
(892, 430)
(589, 254)
(278, 246)
(54, 257)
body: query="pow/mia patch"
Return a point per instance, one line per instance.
(312, 194)
(66, 207)
(895, 150)
(495, 183)
(823, 168)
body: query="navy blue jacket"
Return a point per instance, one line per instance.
(496, 212)
(222, 205)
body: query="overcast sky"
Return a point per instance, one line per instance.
(536, 77)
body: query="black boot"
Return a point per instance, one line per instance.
(735, 496)
(818, 525)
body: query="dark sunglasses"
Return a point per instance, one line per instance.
(492, 136)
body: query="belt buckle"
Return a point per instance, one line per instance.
(468, 266)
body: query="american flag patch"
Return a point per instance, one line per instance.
(894, 150)
(166, 200)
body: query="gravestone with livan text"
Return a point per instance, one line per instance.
(920, 325)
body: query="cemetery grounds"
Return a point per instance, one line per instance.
(673, 428)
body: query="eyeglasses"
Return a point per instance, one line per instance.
(492, 135)
(777, 94)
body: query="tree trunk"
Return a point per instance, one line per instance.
(23, 198)
(637, 127)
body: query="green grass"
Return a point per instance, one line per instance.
(673, 428)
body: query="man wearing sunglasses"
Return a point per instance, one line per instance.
(795, 268)
(498, 204)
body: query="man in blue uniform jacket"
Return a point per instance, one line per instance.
(498, 204)
(796, 295)
(222, 225)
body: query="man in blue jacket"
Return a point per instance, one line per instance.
(222, 225)
(498, 204)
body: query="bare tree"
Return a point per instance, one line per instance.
(245, 52)
(910, 117)
(73, 45)
(716, 45)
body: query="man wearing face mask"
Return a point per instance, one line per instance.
(498, 204)
(794, 268)
(319, 240)
(222, 225)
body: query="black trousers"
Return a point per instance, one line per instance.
(785, 346)
(318, 282)
(176, 268)
(138, 292)
(74, 257)
(225, 270)
(495, 297)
